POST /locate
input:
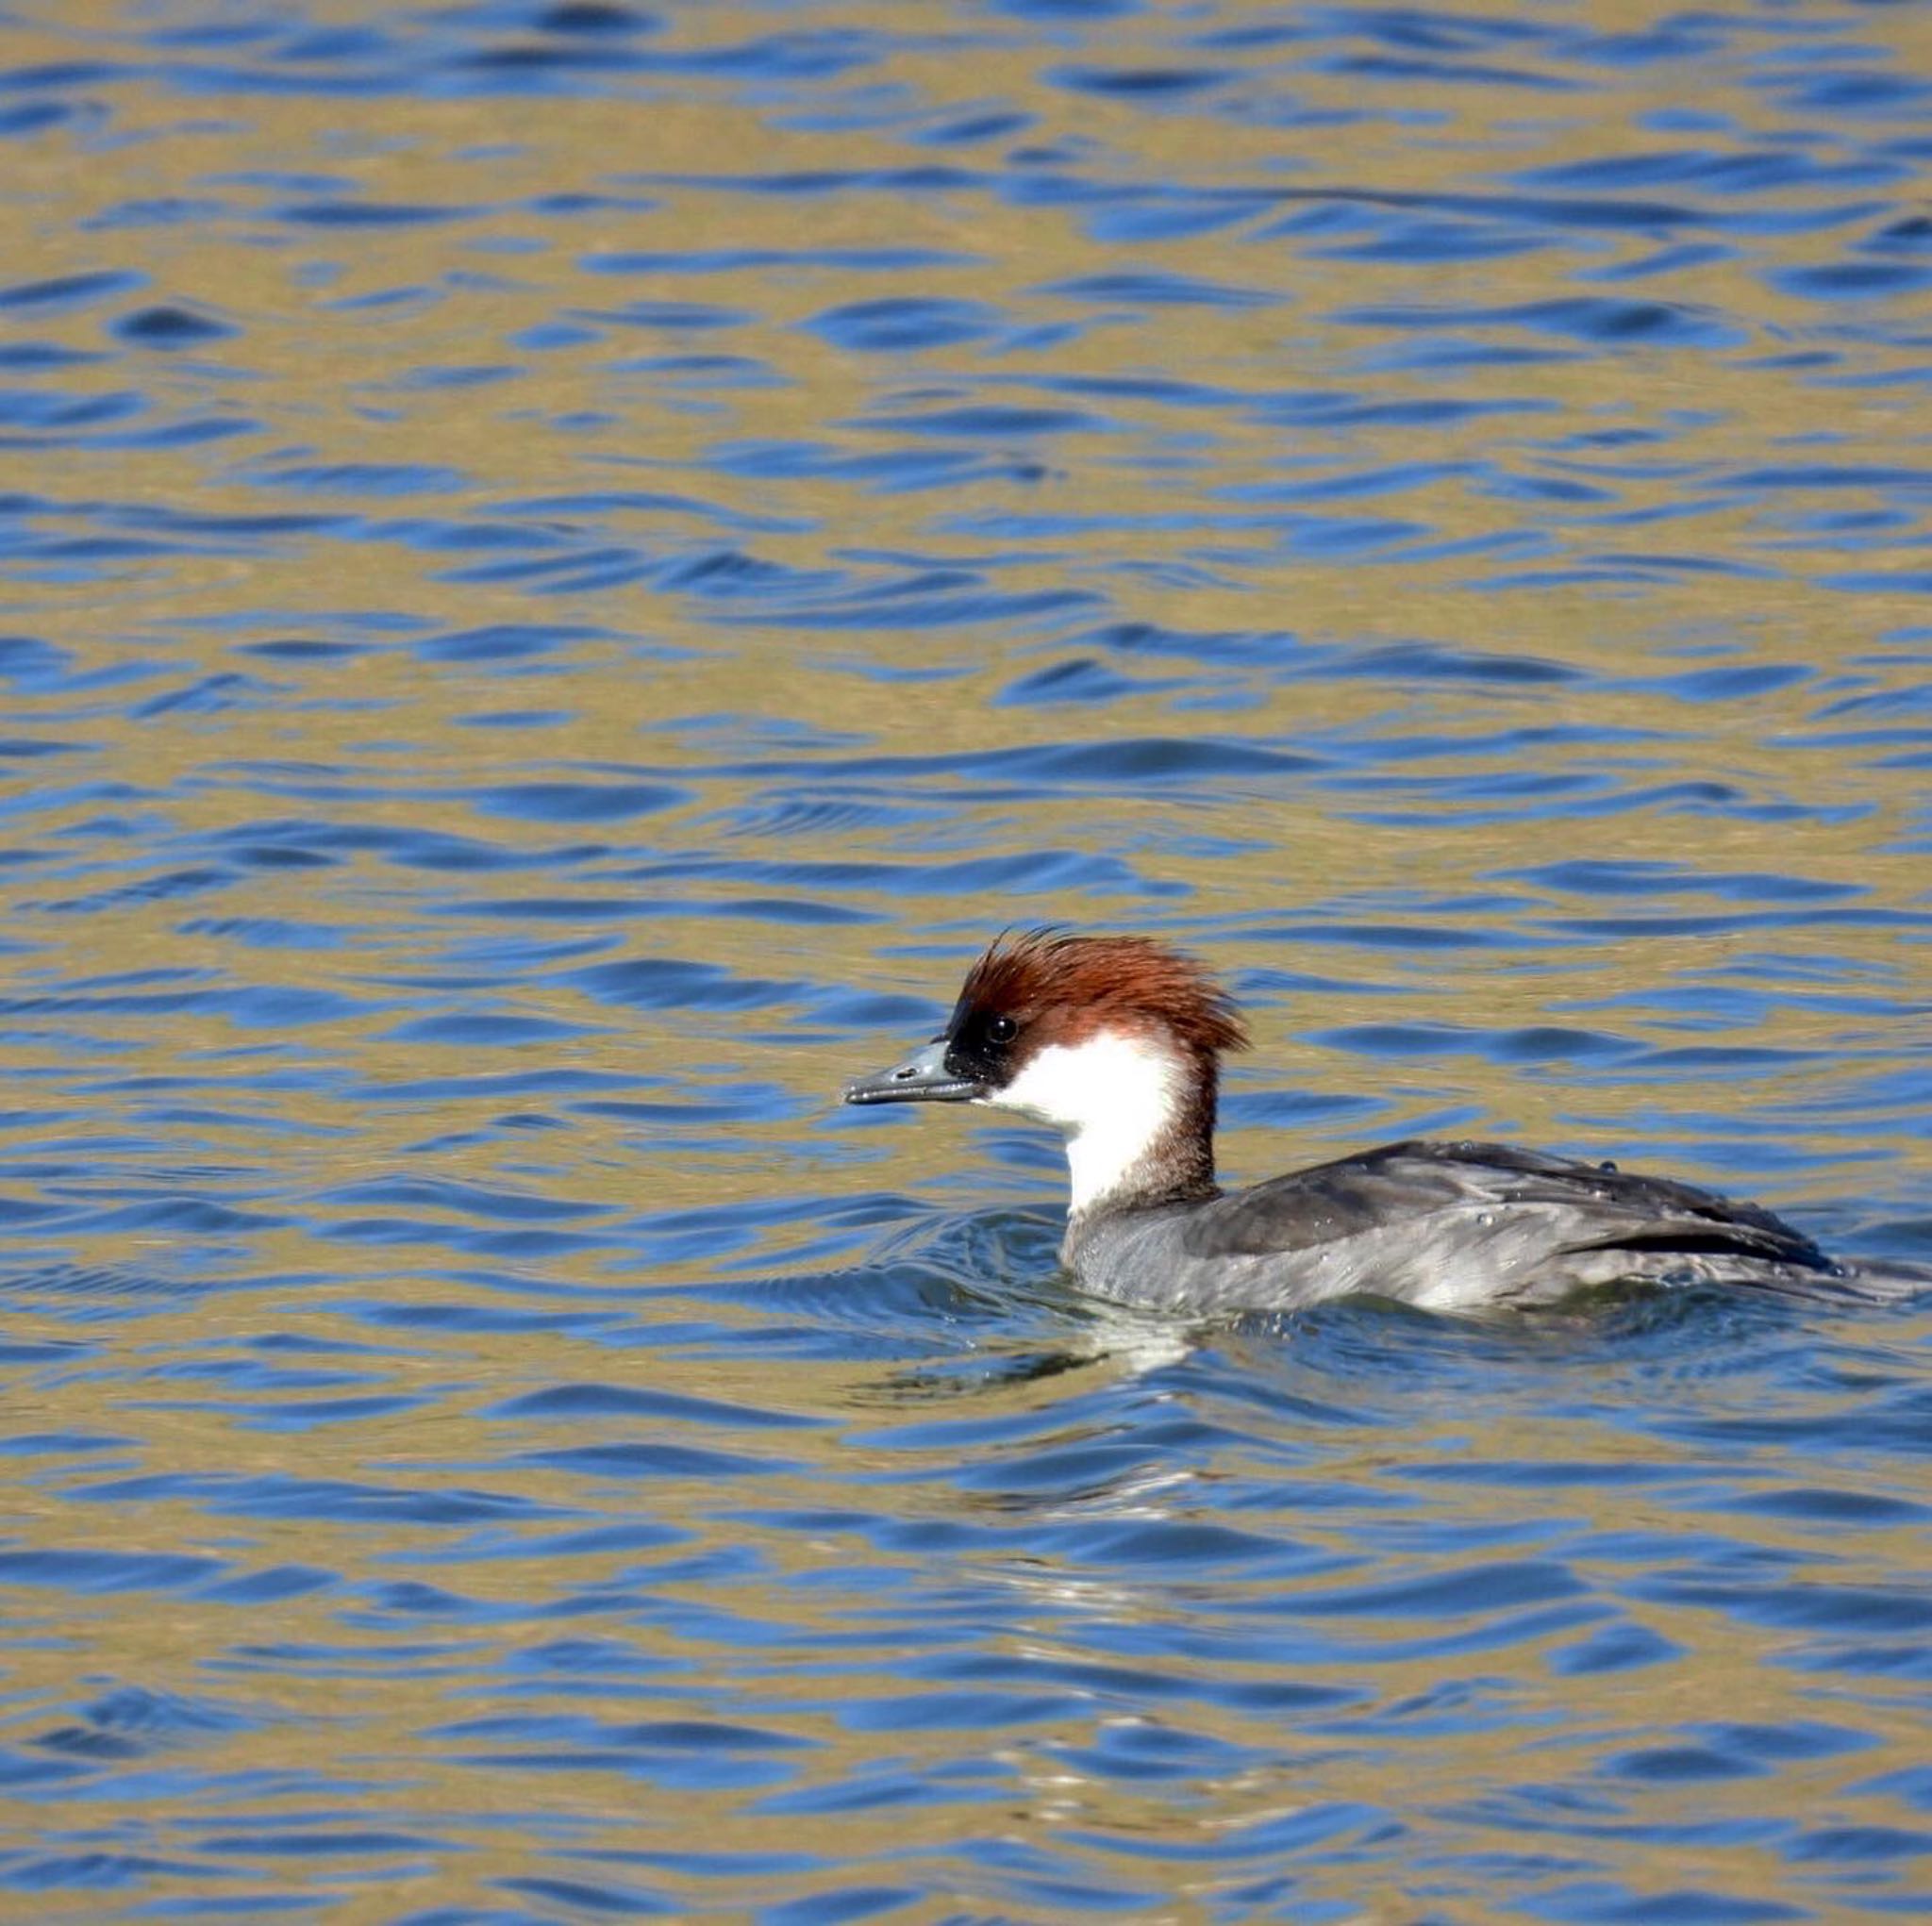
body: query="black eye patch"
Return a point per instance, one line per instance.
(979, 1043)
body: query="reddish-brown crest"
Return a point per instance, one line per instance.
(1090, 981)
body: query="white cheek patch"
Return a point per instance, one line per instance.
(1115, 1095)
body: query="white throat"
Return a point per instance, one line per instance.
(1115, 1095)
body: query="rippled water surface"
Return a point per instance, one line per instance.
(563, 567)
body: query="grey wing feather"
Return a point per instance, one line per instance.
(1596, 1208)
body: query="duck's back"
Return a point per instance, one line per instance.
(1451, 1227)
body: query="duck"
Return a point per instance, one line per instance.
(1117, 1042)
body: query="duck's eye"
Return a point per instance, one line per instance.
(1003, 1029)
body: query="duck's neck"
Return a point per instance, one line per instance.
(1138, 1114)
(1106, 1172)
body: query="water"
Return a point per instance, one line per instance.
(563, 567)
